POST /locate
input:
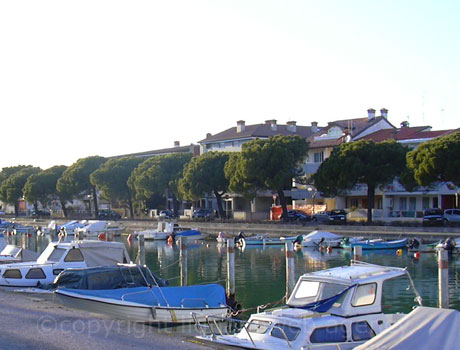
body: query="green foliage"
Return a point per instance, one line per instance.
(11, 188)
(8, 171)
(75, 179)
(360, 162)
(436, 160)
(268, 164)
(157, 175)
(42, 186)
(112, 177)
(204, 174)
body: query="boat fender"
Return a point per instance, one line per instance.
(154, 312)
(130, 238)
(321, 248)
(329, 249)
(101, 236)
(399, 252)
(417, 255)
(170, 239)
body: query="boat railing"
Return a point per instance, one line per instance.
(205, 304)
(211, 327)
(138, 292)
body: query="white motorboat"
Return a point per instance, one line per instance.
(59, 256)
(96, 227)
(169, 229)
(338, 308)
(12, 253)
(69, 227)
(133, 293)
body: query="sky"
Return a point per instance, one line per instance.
(84, 78)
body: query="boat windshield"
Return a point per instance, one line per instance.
(258, 326)
(51, 254)
(309, 291)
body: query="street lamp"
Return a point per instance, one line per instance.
(313, 193)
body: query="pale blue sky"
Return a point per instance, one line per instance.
(81, 78)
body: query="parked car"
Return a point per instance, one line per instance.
(433, 217)
(451, 217)
(295, 215)
(335, 216)
(168, 214)
(108, 214)
(201, 213)
(338, 216)
(40, 213)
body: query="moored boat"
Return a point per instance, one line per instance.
(338, 308)
(59, 256)
(143, 298)
(376, 244)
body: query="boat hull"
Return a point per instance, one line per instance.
(138, 312)
(399, 244)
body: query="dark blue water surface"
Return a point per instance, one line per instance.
(261, 271)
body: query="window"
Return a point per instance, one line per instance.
(402, 203)
(56, 255)
(412, 202)
(435, 202)
(425, 203)
(364, 295)
(361, 331)
(12, 274)
(258, 326)
(74, 255)
(334, 334)
(36, 273)
(57, 271)
(290, 333)
(319, 157)
(307, 289)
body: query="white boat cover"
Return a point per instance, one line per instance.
(321, 234)
(425, 328)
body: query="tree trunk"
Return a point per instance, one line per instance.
(175, 204)
(219, 204)
(96, 209)
(16, 209)
(283, 204)
(36, 207)
(130, 205)
(370, 202)
(64, 209)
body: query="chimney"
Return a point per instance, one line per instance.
(384, 113)
(208, 135)
(272, 124)
(240, 126)
(291, 126)
(176, 143)
(314, 127)
(370, 113)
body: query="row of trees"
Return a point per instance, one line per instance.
(377, 164)
(264, 164)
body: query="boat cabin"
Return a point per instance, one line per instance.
(60, 256)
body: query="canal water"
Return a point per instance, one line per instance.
(261, 271)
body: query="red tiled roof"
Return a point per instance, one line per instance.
(406, 133)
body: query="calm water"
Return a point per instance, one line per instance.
(260, 272)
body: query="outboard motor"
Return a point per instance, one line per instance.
(449, 245)
(413, 243)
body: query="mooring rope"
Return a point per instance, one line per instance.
(164, 267)
(259, 307)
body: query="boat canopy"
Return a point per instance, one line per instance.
(95, 253)
(344, 291)
(200, 296)
(422, 329)
(321, 234)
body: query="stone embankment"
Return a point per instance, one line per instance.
(277, 229)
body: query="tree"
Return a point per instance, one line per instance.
(11, 189)
(361, 162)
(41, 187)
(75, 179)
(268, 164)
(437, 160)
(205, 174)
(158, 175)
(112, 179)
